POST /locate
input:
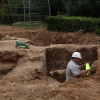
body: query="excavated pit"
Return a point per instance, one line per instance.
(8, 61)
(58, 57)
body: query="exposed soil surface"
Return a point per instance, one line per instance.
(38, 73)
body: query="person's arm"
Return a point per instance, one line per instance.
(81, 73)
(82, 66)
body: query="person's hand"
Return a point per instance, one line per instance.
(84, 73)
(84, 64)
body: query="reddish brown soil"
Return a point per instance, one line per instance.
(21, 73)
(43, 37)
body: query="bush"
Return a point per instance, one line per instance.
(97, 30)
(5, 19)
(97, 21)
(70, 24)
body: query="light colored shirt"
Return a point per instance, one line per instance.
(72, 70)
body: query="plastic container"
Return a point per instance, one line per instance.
(22, 44)
(87, 67)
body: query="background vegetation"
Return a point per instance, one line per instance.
(70, 24)
(38, 10)
(86, 10)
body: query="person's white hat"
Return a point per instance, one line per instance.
(76, 55)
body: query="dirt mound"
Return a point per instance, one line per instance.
(49, 89)
(42, 37)
(46, 38)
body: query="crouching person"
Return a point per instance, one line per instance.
(73, 69)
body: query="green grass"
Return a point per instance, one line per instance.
(34, 24)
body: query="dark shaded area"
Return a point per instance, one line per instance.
(9, 56)
(60, 77)
(1, 36)
(87, 8)
(56, 59)
(5, 71)
(8, 61)
(88, 54)
(57, 7)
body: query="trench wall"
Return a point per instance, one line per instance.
(58, 57)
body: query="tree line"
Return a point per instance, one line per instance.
(87, 8)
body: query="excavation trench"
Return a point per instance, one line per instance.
(57, 59)
(51, 62)
(8, 61)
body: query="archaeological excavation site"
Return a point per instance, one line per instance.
(38, 72)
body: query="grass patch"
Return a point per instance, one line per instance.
(33, 24)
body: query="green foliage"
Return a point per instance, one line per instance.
(70, 24)
(5, 17)
(87, 8)
(97, 20)
(97, 30)
(20, 9)
(35, 24)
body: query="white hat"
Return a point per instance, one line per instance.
(76, 55)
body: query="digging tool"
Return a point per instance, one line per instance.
(87, 67)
